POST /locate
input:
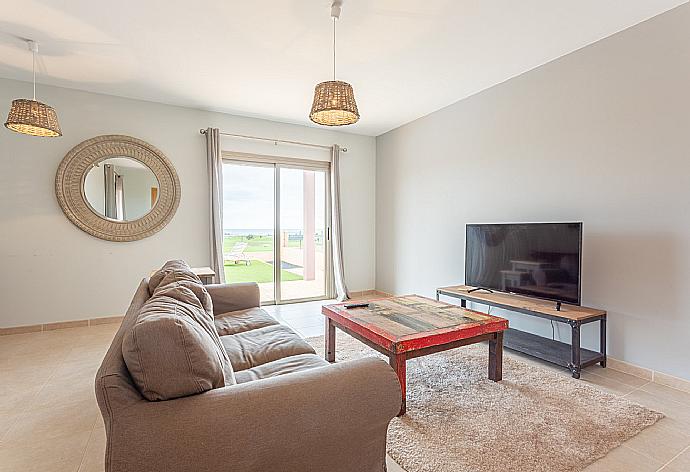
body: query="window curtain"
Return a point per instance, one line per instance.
(110, 202)
(214, 163)
(120, 210)
(336, 226)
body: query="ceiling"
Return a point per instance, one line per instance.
(405, 58)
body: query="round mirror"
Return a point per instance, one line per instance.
(117, 188)
(121, 188)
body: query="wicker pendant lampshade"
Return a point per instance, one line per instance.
(33, 118)
(334, 104)
(30, 116)
(334, 101)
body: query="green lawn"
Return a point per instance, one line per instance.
(257, 271)
(255, 243)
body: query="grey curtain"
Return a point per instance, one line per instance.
(214, 163)
(120, 210)
(110, 204)
(336, 226)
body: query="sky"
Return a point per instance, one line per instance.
(248, 198)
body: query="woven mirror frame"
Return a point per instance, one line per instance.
(71, 174)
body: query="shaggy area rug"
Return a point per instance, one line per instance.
(534, 420)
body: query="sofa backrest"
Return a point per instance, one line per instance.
(114, 387)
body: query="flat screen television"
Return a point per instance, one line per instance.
(540, 260)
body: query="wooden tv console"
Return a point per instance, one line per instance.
(571, 356)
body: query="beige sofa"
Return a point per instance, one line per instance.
(288, 410)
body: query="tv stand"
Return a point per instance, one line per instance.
(571, 356)
(476, 289)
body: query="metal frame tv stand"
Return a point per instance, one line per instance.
(571, 356)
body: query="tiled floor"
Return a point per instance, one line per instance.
(49, 420)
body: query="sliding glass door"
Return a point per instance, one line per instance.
(302, 234)
(277, 211)
(248, 220)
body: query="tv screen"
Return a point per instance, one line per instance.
(536, 259)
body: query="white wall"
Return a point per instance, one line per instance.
(52, 271)
(94, 189)
(137, 183)
(599, 136)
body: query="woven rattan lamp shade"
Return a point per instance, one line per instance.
(33, 118)
(334, 104)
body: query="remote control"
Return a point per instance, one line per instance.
(357, 305)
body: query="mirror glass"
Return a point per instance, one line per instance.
(121, 189)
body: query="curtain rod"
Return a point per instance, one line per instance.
(275, 141)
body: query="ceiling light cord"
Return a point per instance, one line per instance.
(33, 69)
(334, 100)
(335, 19)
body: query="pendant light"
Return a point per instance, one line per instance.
(334, 101)
(32, 117)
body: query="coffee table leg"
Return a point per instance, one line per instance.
(398, 363)
(496, 357)
(330, 340)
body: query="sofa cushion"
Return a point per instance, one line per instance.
(243, 320)
(260, 346)
(172, 271)
(286, 365)
(173, 348)
(170, 356)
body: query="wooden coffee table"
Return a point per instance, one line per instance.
(411, 326)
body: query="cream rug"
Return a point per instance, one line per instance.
(534, 420)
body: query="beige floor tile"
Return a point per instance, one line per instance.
(61, 454)
(606, 384)
(93, 460)
(100, 423)
(7, 420)
(661, 441)
(631, 369)
(59, 395)
(46, 424)
(678, 415)
(680, 463)
(309, 332)
(668, 393)
(616, 375)
(16, 401)
(91, 355)
(79, 365)
(624, 459)
(102, 336)
(20, 375)
(46, 357)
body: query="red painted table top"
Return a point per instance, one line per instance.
(411, 322)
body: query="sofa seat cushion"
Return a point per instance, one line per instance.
(286, 365)
(243, 320)
(263, 345)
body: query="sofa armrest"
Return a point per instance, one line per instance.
(233, 297)
(332, 418)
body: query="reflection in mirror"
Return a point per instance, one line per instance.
(121, 188)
